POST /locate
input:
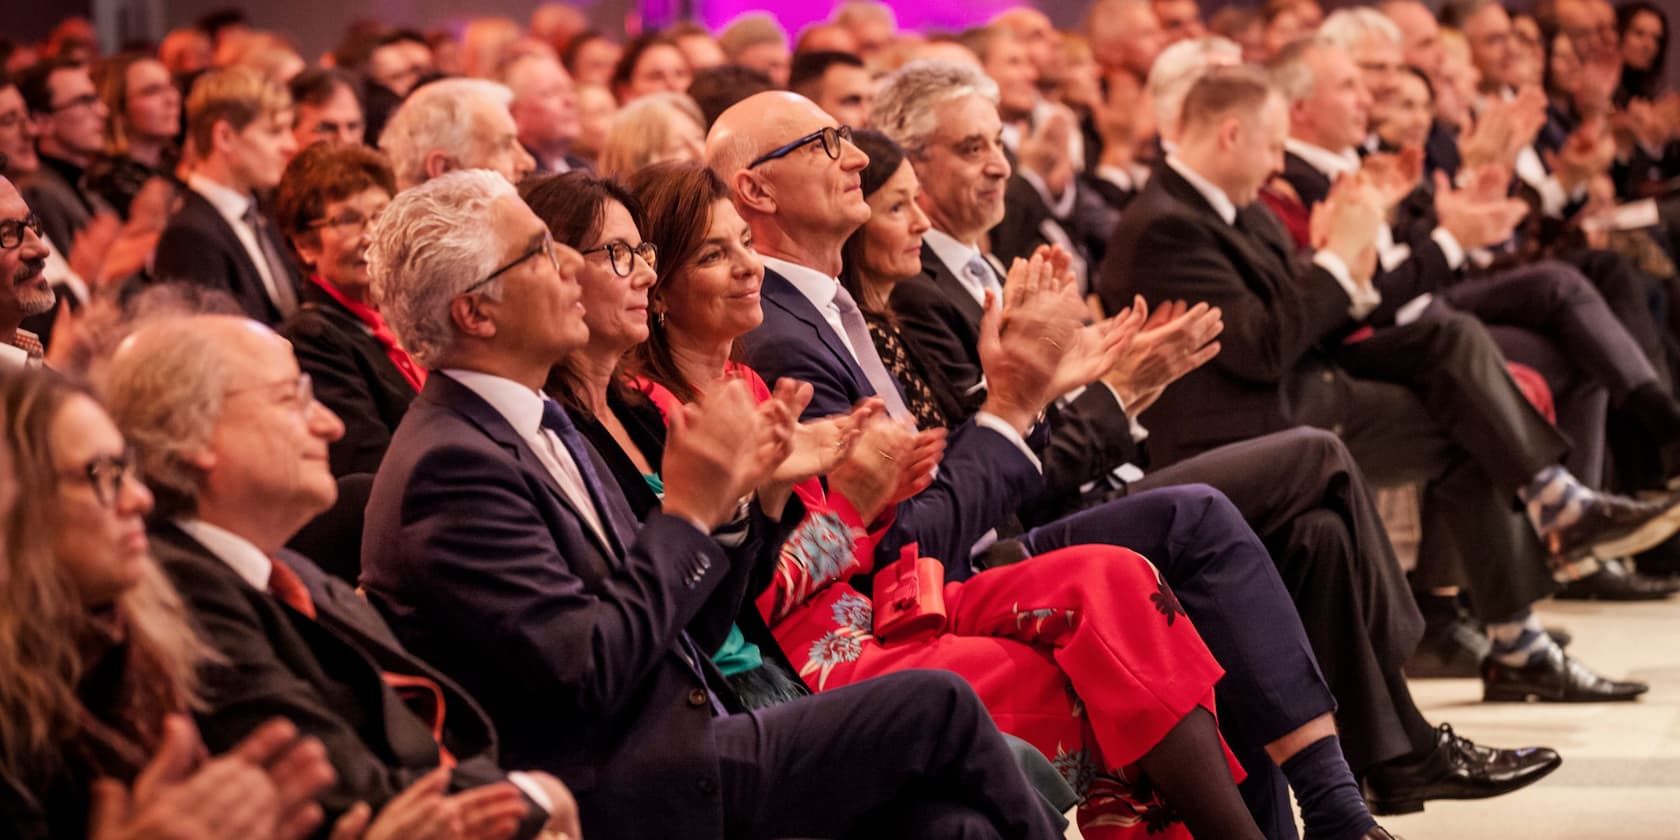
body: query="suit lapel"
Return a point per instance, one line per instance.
(1262, 256)
(449, 395)
(781, 293)
(935, 270)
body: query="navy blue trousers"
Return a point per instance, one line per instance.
(1230, 588)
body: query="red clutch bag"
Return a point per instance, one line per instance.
(909, 598)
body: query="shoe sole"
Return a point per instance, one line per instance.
(1401, 807)
(1506, 695)
(1647, 536)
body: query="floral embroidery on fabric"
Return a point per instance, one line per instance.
(834, 648)
(1115, 803)
(1059, 620)
(1075, 767)
(817, 554)
(1166, 600)
(855, 612)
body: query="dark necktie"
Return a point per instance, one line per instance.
(614, 511)
(283, 295)
(421, 695)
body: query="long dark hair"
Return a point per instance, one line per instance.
(574, 206)
(678, 197)
(885, 157)
(1641, 84)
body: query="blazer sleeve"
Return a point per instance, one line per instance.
(1264, 335)
(983, 479)
(255, 684)
(782, 357)
(1089, 437)
(1424, 272)
(186, 254)
(502, 585)
(934, 325)
(341, 385)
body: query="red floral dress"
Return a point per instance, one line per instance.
(1084, 652)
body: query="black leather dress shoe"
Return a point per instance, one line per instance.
(1379, 833)
(1615, 582)
(1613, 526)
(1556, 678)
(1456, 769)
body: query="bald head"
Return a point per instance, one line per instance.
(757, 124)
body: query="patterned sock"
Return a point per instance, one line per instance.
(1553, 499)
(1331, 805)
(1520, 641)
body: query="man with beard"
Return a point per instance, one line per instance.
(23, 287)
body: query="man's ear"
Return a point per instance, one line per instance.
(470, 318)
(1230, 132)
(201, 458)
(221, 137)
(753, 192)
(437, 163)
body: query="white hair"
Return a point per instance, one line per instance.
(439, 118)
(428, 246)
(1177, 70)
(1347, 28)
(905, 109)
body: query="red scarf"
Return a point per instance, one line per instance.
(375, 323)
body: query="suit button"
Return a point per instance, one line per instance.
(1327, 376)
(697, 698)
(708, 785)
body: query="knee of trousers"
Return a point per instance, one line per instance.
(1562, 283)
(930, 696)
(1312, 447)
(1456, 333)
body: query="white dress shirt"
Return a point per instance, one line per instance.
(233, 205)
(523, 409)
(1361, 299)
(246, 560)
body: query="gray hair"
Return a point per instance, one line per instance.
(439, 117)
(1346, 28)
(1177, 70)
(905, 108)
(428, 246)
(165, 389)
(642, 130)
(1290, 71)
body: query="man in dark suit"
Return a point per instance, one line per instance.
(234, 446)
(240, 126)
(70, 119)
(1544, 311)
(1455, 421)
(497, 549)
(1275, 707)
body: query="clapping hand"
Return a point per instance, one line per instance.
(1346, 223)
(1394, 176)
(1175, 340)
(889, 462)
(718, 450)
(819, 445)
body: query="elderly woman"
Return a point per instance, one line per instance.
(145, 108)
(98, 653)
(654, 129)
(1021, 635)
(328, 199)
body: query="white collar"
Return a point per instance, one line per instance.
(1328, 163)
(955, 255)
(12, 357)
(1126, 178)
(519, 405)
(229, 202)
(1215, 196)
(817, 287)
(246, 560)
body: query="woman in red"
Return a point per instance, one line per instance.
(1100, 670)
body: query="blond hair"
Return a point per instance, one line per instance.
(236, 96)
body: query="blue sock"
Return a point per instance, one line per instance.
(1520, 641)
(1553, 499)
(1331, 805)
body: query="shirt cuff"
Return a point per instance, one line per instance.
(528, 786)
(1138, 432)
(1360, 300)
(988, 420)
(1450, 247)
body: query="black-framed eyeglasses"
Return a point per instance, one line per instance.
(11, 230)
(87, 100)
(829, 135)
(546, 248)
(106, 474)
(622, 256)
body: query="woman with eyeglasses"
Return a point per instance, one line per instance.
(99, 656)
(328, 199)
(1098, 670)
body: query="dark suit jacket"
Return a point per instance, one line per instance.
(983, 478)
(353, 376)
(1082, 440)
(1172, 245)
(55, 194)
(484, 567)
(323, 675)
(1425, 272)
(198, 246)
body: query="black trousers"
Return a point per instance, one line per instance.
(1229, 587)
(1306, 499)
(1432, 401)
(907, 755)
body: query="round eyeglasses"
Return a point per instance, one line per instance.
(622, 256)
(829, 135)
